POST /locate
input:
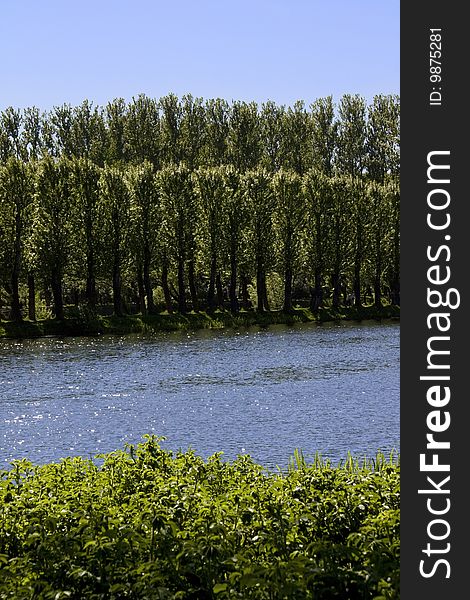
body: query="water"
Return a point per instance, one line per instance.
(330, 388)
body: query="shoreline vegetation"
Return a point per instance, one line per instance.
(186, 204)
(81, 323)
(150, 523)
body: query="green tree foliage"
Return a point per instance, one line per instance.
(211, 192)
(324, 135)
(339, 241)
(114, 212)
(143, 131)
(244, 136)
(52, 242)
(261, 204)
(297, 138)
(289, 221)
(352, 132)
(85, 193)
(383, 138)
(360, 229)
(273, 120)
(16, 193)
(176, 190)
(235, 235)
(216, 132)
(317, 193)
(197, 197)
(146, 218)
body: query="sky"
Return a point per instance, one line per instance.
(64, 51)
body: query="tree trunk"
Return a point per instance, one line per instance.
(211, 289)
(90, 280)
(182, 308)
(166, 288)
(220, 291)
(48, 297)
(316, 299)
(259, 290)
(15, 275)
(265, 293)
(147, 283)
(117, 288)
(233, 284)
(245, 295)
(395, 291)
(377, 286)
(335, 280)
(357, 285)
(192, 285)
(287, 289)
(31, 297)
(15, 296)
(56, 285)
(141, 291)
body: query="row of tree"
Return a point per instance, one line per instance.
(201, 235)
(351, 138)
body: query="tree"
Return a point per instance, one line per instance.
(177, 204)
(172, 114)
(244, 144)
(352, 131)
(53, 231)
(324, 134)
(317, 193)
(210, 187)
(393, 250)
(296, 139)
(261, 202)
(88, 133)
(10, 134)
(16, 192)
(235, 232)
(272, 122)
(142, 131)
(85, 194)
(290, 218)
(116, 117)
(216, 132)
(340, 242)
(114, 212)
(32, 134)
(145, 219)
(58, 131)
(193, 131)
(380, 219)
(360, 233)
(383, 135)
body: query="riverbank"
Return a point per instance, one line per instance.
(82, 323)
(146, 521)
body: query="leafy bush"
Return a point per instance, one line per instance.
(145, 523)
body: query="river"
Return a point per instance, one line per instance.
(330, 388)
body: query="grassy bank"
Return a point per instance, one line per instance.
(145, 524)
(83, 323)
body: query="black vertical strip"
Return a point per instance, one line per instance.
(434, 271)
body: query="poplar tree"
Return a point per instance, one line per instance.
(261, 202)
(114, 215)
(16, 193)
(53, 227)
(146, 223)
(290, 219)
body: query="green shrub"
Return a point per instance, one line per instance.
(145, 523)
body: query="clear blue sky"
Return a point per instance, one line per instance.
(56, 51)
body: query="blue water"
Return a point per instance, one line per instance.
(329, 388)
